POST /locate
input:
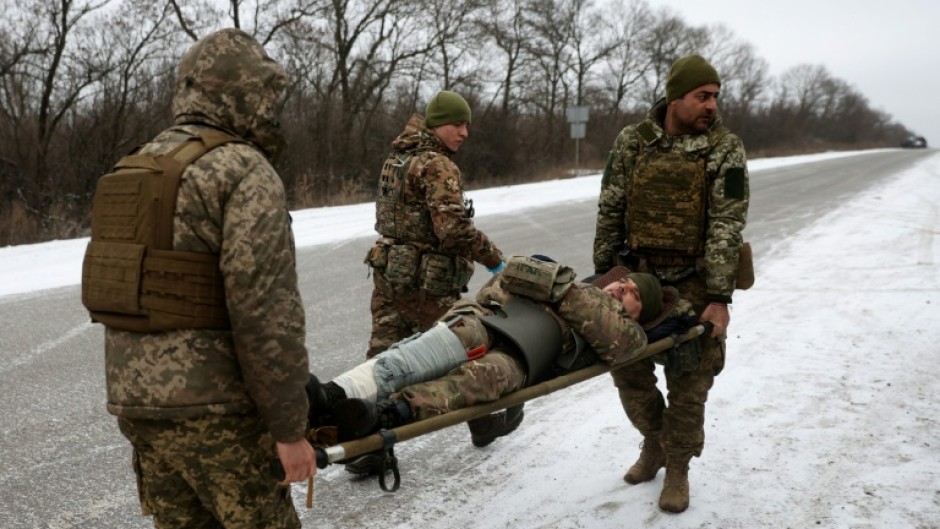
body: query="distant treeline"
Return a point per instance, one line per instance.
(84, 81)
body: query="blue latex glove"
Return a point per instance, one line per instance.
(497, 269)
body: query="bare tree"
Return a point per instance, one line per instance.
(552, 27)
(371, 42)
(54, 82)
(802, 87)
(669, 38)
(453, 38)
(194, 16)
(262, 19)
(628, 64)
(592, 40)
(503, 22)
(744, 77)
(144, 49)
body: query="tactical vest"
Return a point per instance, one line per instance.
(394, 216)
(667, 203)
(132, 279)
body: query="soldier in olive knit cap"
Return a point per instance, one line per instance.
(673, 202)
(448, 117)
(688, 73)
(446, 107)
(428, 244)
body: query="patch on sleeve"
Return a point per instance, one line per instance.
(734, 183)
(608, 168)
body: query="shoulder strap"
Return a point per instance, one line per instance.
(172, 164)
(716, 135)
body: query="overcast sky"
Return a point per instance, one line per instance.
(887, 50)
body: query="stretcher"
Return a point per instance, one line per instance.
(385, 440)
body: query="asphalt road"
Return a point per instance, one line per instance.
(63, 463)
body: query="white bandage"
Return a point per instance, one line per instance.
(359, 382)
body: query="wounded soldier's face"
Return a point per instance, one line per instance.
(628, 294)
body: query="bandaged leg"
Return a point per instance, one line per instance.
(424, 356)
(359, 382)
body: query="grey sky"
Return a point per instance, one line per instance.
(886, 50)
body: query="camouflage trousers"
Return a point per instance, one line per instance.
(470, 383)
(209, 472)
(681, 425)
(397, 315)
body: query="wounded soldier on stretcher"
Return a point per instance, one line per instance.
(529, 323)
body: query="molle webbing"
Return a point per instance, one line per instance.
(132, 279)
(394, 216)
(667, 205)
(668, 200)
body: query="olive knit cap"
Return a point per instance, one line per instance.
(687, 74)
(651, 295)
(446, 107)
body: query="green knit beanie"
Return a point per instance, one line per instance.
(446, 107)
(687, 74)
(651, 295)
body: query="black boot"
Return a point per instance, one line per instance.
(485, 430)
(367, 464)
(357, 418)
(322, 399)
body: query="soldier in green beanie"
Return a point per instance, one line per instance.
(673, 203)
(428, 243)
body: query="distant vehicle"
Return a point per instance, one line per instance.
(914, 142)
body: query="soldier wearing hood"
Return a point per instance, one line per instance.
(673, 202)
(204, 355)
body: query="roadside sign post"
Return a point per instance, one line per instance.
(578, 118)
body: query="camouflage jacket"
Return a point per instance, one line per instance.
(599, 318)
(231, 203)
(725, 216)
(434, 183)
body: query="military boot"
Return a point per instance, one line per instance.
(485, 430)
(675, 495)
(322, 398)
(652, 458)
(369, 464)
(357, 418)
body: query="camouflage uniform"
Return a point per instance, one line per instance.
(702, 278)
(203, 408)
(600, 319)
(424, 214)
